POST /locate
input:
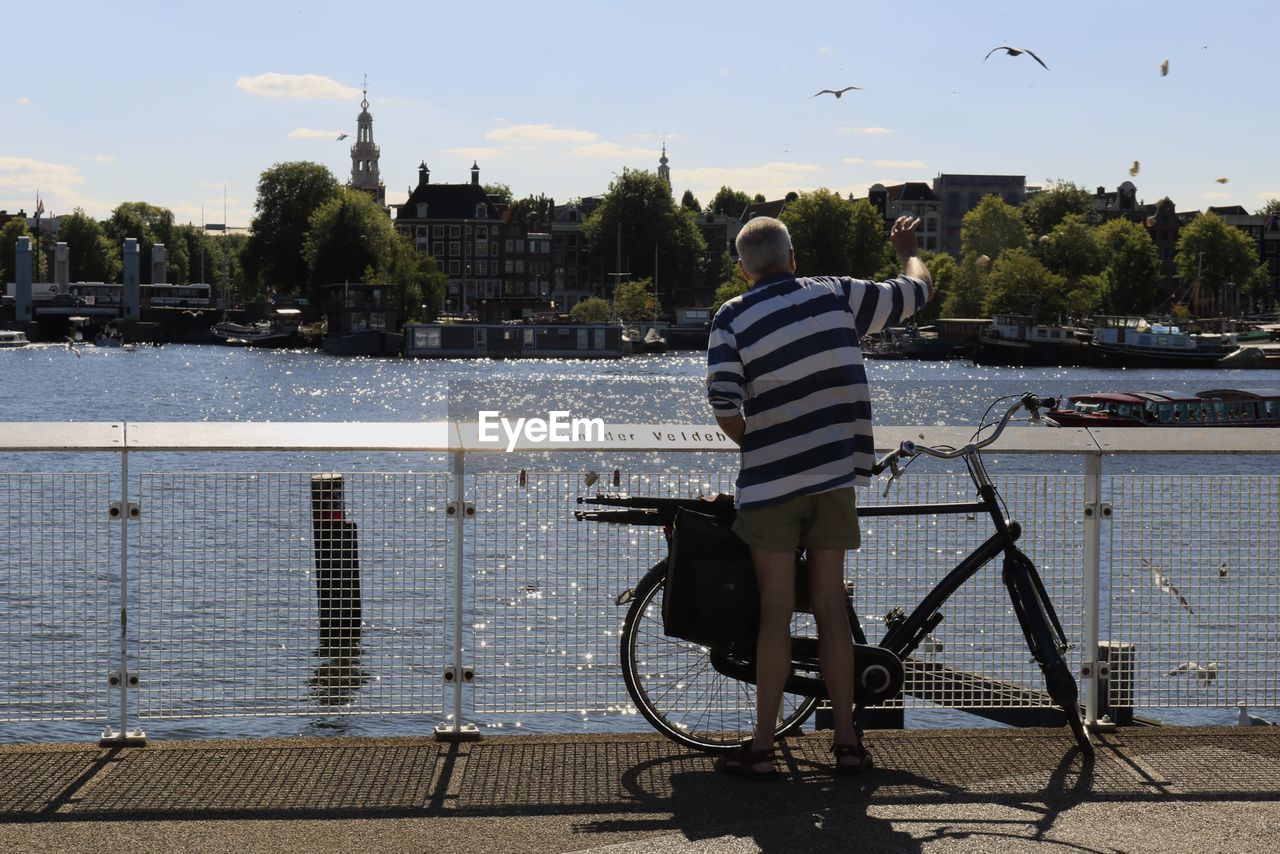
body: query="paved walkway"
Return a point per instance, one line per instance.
(1158, 790)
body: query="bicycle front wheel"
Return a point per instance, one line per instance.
(1044, 641)
(676, 688)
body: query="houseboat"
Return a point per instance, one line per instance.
(1212, 408)
(1132, 342)
(514, 340)
(11, 339)
(1017, 340)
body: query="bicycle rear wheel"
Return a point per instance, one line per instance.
(1046, 643)
(676, 688)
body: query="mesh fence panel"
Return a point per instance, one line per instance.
(1194, 594)
(253, 597)
(61, 556)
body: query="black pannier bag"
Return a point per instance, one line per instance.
(711, 596)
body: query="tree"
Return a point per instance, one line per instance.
(730, 288)
(1130, 267)
(93, 256)
(535, 213)
(149, 225)
(288, 195)
(591, 310)
(9, 234)
(1271, 208)
(833, 237)
(1043, 211)
(502, 191)
(639, 217)
(690, 202)
(991, 228)
(1018, 283)
(637, 301)
(1071, 249)
(1212, 254)
(965, 294)
(943, 269)
(729, 202)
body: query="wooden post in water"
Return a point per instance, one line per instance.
(337, 562)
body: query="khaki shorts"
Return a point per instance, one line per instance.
(828, 520)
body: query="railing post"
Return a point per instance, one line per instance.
(1093, 666)
(456, 673)
(122, 678)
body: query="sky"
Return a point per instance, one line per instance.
(184, 105)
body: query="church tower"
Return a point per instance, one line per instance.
(664, 171)
(364, 155)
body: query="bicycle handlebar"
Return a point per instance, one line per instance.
(907, 449)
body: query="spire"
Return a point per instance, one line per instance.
(475, 174)
(364, 153)
(664, 171)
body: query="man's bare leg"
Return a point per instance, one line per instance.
(835, 638)
(776, 575)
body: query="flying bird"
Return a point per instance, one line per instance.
(341, 137)
(1164, 68)
(1015, 51)
(1133, 170)
(1204, 672)
(1162, 581)
(836, 92)
(1223, 180)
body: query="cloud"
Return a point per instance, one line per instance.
(475, 153)
(24, 100)
(827, 51)
(306, 87)
(540, 133)
(1267, 195)
(872, 131)
(313, 133)
(606, 150)
(1215, 196)
(899, 164)
(853, 161)
(100, 158)
(22, 177)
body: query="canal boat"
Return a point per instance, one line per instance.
(280, 331)
(1133, 342)
(11, 339)
(1019, 341)
(1212, 408)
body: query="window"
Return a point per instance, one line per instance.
(437, 231)
(482, 211)
(483, 268)
(427, 339)
(506, 266)
(519, 266)
(455, 268)
(519, 246)
(422, 231)
(437, 249)
(493, 249)
(455, 231)
(455, 248)
(508, 243)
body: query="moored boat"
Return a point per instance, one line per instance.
(11, 339)
(1132, 342)
(1212, 408)
(280, 331)
(1017, 340)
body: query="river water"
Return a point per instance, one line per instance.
(207, 383)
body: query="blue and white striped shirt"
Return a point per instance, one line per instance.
(786, 355)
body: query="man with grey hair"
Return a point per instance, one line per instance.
(786, 382)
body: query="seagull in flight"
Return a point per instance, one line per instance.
(836, 92)
(1164, 68)
(1223, 180)
(1015, 51)
(1133, 170)
(341, 137)
(1162, 581)
(1204, 672)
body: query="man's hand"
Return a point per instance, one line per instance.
(902, 234)
(903, 237)
(733, 426)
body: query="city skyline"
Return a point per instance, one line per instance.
(560, 99)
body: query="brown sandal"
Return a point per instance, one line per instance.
(742, 763)
(857, 751)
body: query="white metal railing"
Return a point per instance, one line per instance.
(162, 593)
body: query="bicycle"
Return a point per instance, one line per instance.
(681, 688)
